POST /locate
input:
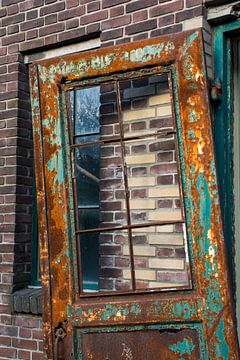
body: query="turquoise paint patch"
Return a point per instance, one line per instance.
(192, 116)
(221, 347)
(191, 134)
(183, 347)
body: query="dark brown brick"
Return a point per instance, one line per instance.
(116, 22)
(165, 20)
(140, 4)
(112, 34)
(140, 16)
(31, 24)
(11, 10)
(52, 8)
(189, 14)
(48, 30)
(32, 14)
(140, 27)
(29, 45)
(191, 3)
(93, 28)
(166, 8)
(110, 3)
(30, 4)
(50, 19)
(117, 11)
(87, 19)
(167, 30)
(71, 3)
(3, 12)
(13, 19)
(13, 29)
(68, 14)
(13, 39)
(72, 23)
(73, 34)
(93, 6)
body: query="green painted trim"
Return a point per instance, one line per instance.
(223, 129)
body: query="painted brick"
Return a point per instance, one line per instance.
(163, 191)
(165, 239)
(140, 274)
(177, 264)
(138, 114)
(140, 159)
(140, 250)
(165, 215)
(141, 181)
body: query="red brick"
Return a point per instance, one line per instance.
(50, 40)
(140, 27)
(32, 34)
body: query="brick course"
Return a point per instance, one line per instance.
(32, 25)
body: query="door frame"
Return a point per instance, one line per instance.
(209, 303)
(223, 134)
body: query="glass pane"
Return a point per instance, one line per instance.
(85, 115)
(148, 160)
(105, 262)
(160, 257)
(146, 105)
(94, 113)
(100, 186)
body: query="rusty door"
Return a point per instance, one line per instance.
(132, 251)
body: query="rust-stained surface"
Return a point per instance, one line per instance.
(142, 345)
(210, 301)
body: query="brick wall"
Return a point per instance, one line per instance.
(34, 25)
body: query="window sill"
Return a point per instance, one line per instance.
(28, 301)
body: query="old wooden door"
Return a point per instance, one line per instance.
(132, 251)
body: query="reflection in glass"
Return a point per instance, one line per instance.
(132, 184)
(100, 186)
(105, 261)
